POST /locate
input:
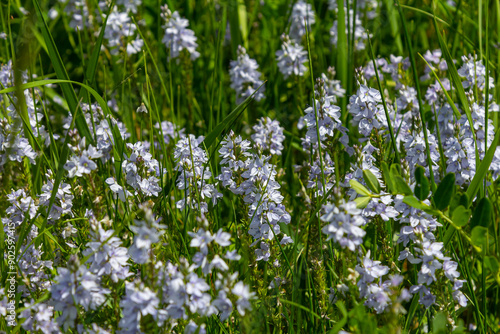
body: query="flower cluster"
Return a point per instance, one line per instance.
(245, 77)
(302, 13)
(121, 32)
(291, 58)
(268, 136)
(254, 177)
(194, 174)
(177, 35)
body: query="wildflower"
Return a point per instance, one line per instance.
(147, 232)
(245, 77)
(139, 302)
(244, 296)
(106, 255)
(333, 87)
(302, 12)
(268, 135)
(119, 30)
(224, 305)
(76, 286)
(177, 36)
(39, 317)
(118, 190)
(291, 58)
(367, 110)
(345, 224)
(194, 174)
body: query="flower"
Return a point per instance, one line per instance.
(291, 58)
(345, 224)
(177, 36)
(302, 12)
(245, 77)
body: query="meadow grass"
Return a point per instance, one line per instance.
(135, 238)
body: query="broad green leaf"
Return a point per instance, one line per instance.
(482, 213)
(460, 216)
(491, 263)
(362, 202)
(387, 178)
(422, 188)
(414, 202)
(439, 323)
(401, 186)
(479, 236)
(371, 181)
(458, 199)
(359, 188)
(395, 169)
(444, 192)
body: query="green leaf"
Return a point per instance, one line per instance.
(416, 82)
(479, 237)
(439, 324)
(414, 202)
(94, 57)
(359, 188)
(455, 78)
(401, 186)
(458, 199)
(387, 178)
(491, 263)
(342, 47)
(482, 213)
(340, 324)
(362, 202)
(57, 63)
(422, 187)
(444, 192)
(450, 232)
(229, 120)
(395, 170)
(483, 169)
(460, 216)
(371, 181)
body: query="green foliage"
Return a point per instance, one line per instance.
(444, 192)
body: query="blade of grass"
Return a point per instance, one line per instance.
(483, 169)
(419, 94)
(158, 73)
(60, 70)
(94, 57)
(457, 83)
(342, 55)
(387, 116)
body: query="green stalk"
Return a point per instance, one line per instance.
(389, 124)
(419, 95)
